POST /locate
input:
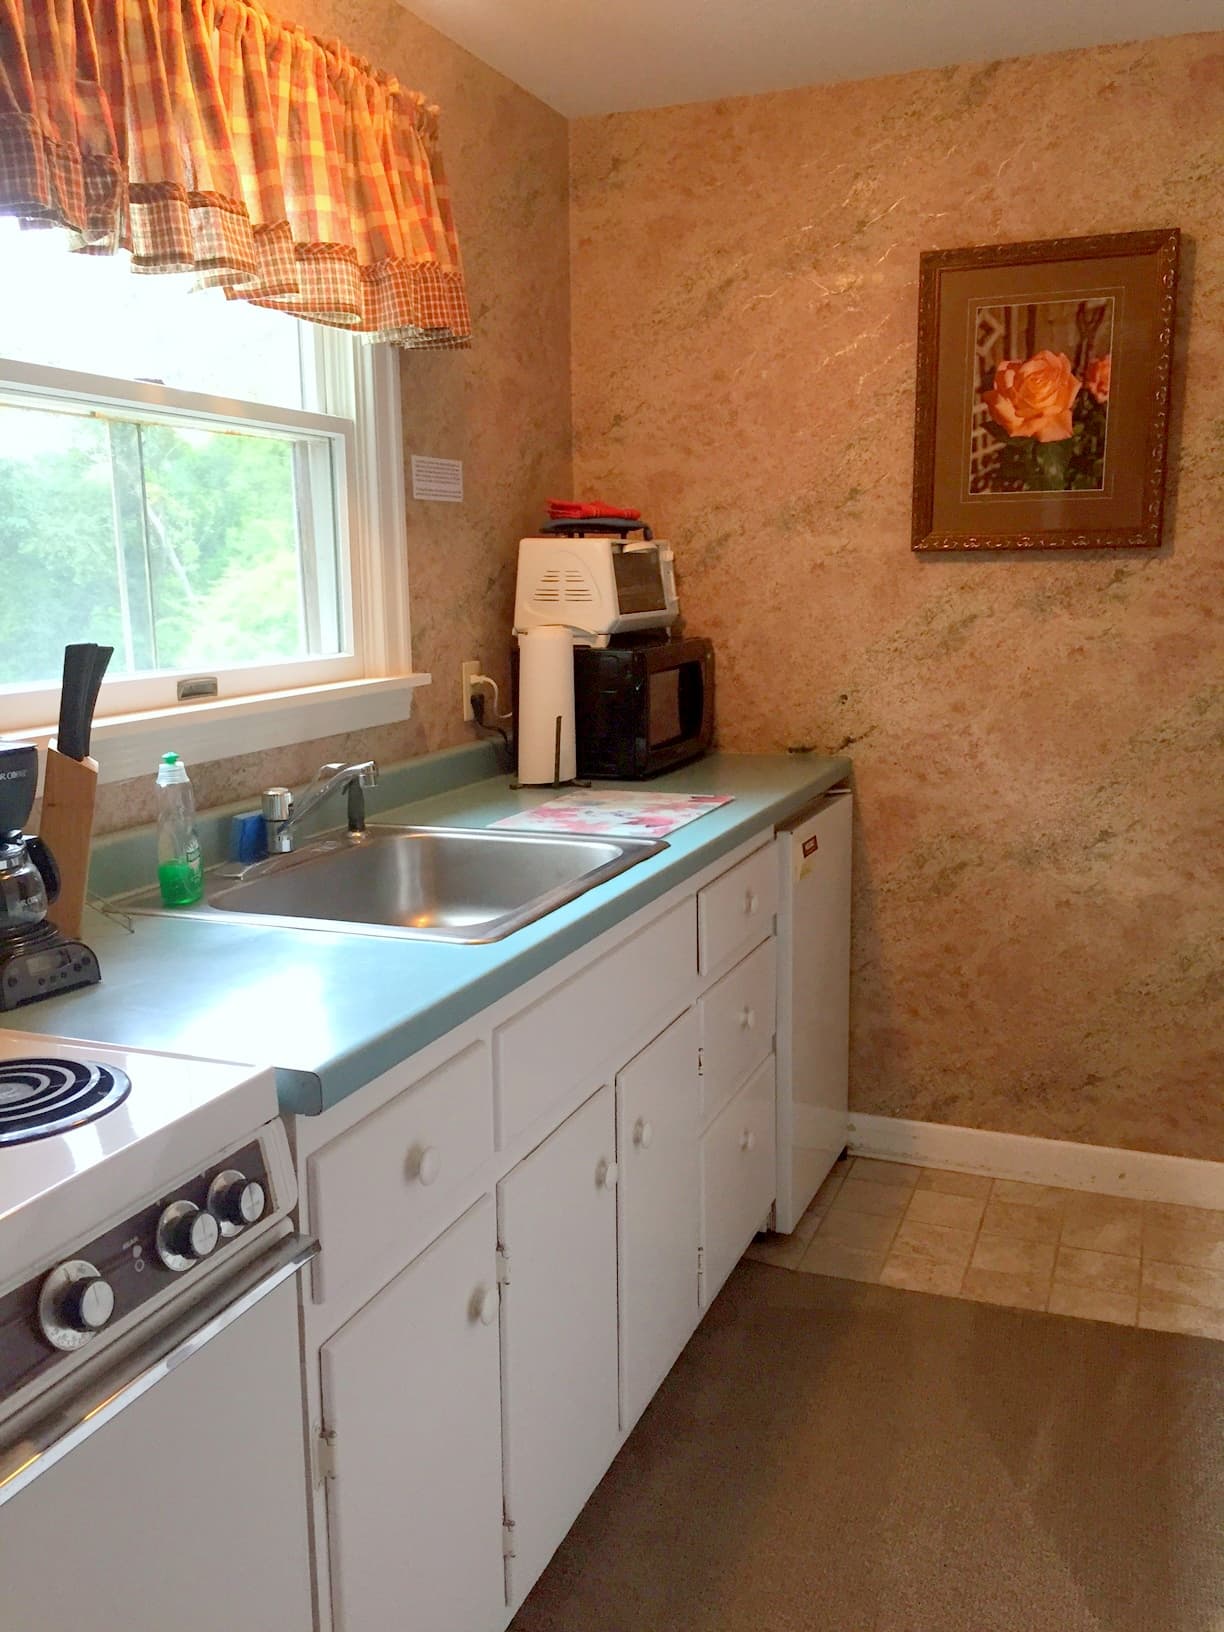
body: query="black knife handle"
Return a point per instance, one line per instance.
(101, 658)
(73, 735)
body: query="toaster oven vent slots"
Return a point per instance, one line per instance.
(572, 587)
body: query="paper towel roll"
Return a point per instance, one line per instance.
(546, 706)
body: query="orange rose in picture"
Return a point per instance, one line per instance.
(1034, 398)
(1096, 377)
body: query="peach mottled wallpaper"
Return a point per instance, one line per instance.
(503, 407)
(1038, 742)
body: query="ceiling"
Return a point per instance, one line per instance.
(606, 56)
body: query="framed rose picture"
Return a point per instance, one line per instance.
(1043, 393)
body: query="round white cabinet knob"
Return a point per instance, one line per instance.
(747, 1140)
(643, 1133)
(747, 1018)
(606, 1175)
(427, 1165)
(484, 1305)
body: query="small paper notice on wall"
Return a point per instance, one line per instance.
(438, 479)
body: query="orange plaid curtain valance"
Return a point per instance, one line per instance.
(205, 137)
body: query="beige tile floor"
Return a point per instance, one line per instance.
(1136, 1263)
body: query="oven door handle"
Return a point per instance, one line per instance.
(50, 1438)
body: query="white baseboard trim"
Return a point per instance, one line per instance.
(1136, 1173)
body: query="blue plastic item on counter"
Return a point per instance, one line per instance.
(248, 838)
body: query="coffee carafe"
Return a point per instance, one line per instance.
(29, 881)
(36, 959)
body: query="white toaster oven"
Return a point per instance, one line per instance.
(596, 586)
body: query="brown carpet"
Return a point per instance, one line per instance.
(831, 1457)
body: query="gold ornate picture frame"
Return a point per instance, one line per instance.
(1042, 410)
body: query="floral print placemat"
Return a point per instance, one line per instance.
(616, 815)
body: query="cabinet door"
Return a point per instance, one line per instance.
(557, 1223)
(659, 1207)
(813, 1003)
(738, 1177)
(411, 1393)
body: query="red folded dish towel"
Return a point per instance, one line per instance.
(573, 510)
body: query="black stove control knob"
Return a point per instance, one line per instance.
(74, 1305)
(185, 1235)
(235, 1200)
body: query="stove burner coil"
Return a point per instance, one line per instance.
(39, 1098)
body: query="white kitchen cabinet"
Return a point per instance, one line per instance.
(388, 1183)
(736, 911)
(556, 1215)
(411, 1404)
(659, 1203)
(738, 1177)
(561, 1040)
(736, 1023)
(620, 1211)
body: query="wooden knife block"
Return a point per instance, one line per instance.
(69, 788)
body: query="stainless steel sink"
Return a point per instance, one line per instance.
(427, 883)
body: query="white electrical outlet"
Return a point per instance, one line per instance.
(469, 671)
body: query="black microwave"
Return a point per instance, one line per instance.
(642, 707)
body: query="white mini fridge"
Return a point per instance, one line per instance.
(813, 1000)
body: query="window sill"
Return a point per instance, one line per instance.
(129, 745)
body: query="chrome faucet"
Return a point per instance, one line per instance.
(282, 812)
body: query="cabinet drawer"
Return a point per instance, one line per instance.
(738, 1178)
(736, 1018)
(388, 1182)
(548, 1049)
(736, 910)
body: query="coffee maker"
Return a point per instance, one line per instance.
(36, 959)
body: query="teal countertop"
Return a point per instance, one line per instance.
(333, 1011)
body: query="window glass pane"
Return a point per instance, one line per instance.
(93, 314)
(181, 546)
(229, 584)
(57, 542)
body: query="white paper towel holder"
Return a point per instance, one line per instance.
(545, 742)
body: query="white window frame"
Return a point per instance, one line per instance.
(272, 705)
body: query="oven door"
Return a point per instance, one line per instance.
(186, 1507)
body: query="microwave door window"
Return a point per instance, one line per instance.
(664, 723)
(639, 581)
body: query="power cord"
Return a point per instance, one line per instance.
(485, 680)
(478, 713)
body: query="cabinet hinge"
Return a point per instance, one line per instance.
(700, 1271)
(324, 1456)
(508, 1539)
(503, 1267)
(701, 1062)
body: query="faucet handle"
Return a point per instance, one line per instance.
(276, 804)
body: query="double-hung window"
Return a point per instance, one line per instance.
(213, 489)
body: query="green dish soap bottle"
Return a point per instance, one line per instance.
(180, 865)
